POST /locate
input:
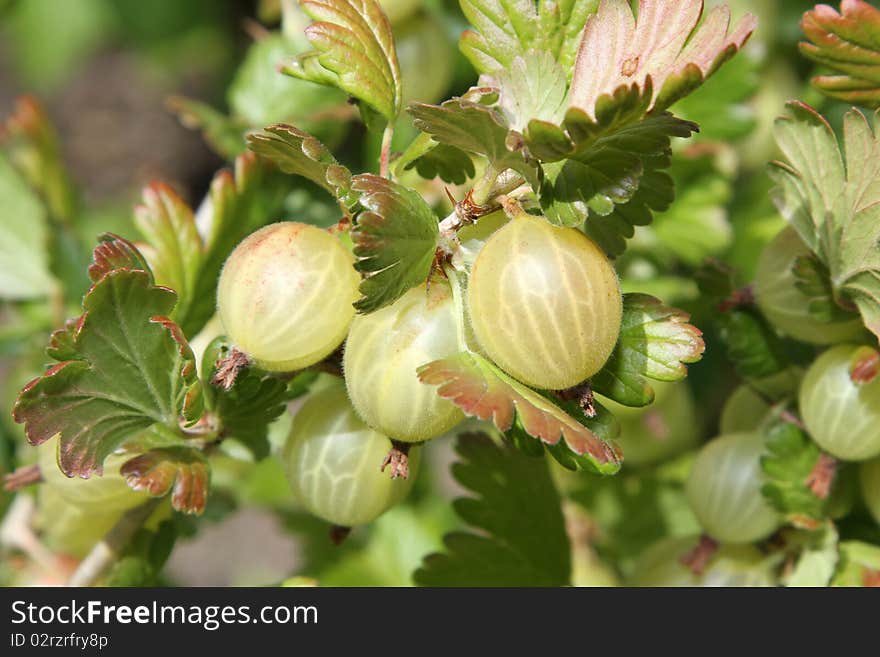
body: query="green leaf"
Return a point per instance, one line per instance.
(30, 142)
(790, 459)
(722, 107)
(254, 401)
(508, 28)
(298, 153)
(483, 391)
(533, 88)
(224, 134)
(516, 510)
(354, 51)
(448, 163)
(174, 248)
(814, 280)
(832, 201)
(616, 183)
(695, 226)
(144, 556)
(859, 564)
(655, 343)
(24, 235)
(395, 238)
(847, 42)
(467, 123)
(752, 345)
(261, 95)
(123, 367)
(665, 51)
(633, 511)
(817, 560)
(181, 471)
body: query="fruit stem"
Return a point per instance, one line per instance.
(385, 154)
(458, 301)
(697, 559)
(102, 556)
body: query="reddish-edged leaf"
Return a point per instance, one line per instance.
(126, 367)
(174, 249)
(395, 238)
(182, 471)
(665, 46)
(299, 153)
(483, 391)
(847, 42)
(354, 50)
(655, 342)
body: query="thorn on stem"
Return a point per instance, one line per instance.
(697, 559)
(228, 368)
(338, 534)
(22, 477)
(821, 477)
(397, 460)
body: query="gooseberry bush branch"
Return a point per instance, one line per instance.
(498, 316)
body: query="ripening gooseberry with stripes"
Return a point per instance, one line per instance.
(285, 295)
(333, 462)
(383, 352)
(544, 303)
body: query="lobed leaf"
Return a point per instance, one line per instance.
(174, 249)
(655, 343)
(246, 410)
(354, 51)
(789, 461)
(532, 88)
(181, 471)
(474, 127)
(664, 49)
(507, 28)
(483, 391)
(395, 238)
(124, 367)
(24, 235)
(434, 160)
(298, 153)
(616, 183)
(516, 510)
(753, 347)
(224, 134)
(832, 200)
(847, 42)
